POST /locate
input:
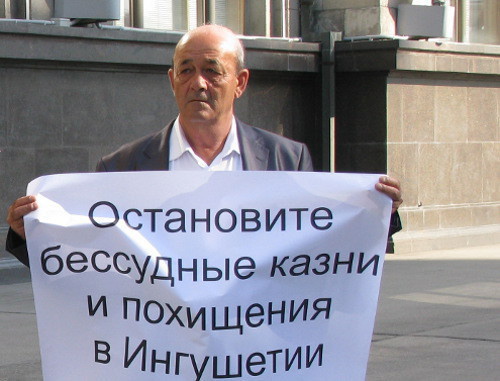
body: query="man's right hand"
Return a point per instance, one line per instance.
(21, 207)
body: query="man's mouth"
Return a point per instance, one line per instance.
(199, 100)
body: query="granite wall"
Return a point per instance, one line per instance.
(446, 146)
(428, 114)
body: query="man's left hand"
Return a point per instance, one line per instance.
(392, 188)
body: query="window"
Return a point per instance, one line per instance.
(270, 18)
(478, 21)
(181, 15)
(230, 14)
(162, 14)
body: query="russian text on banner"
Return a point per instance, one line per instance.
(182, 276)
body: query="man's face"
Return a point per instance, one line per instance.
(205, 79)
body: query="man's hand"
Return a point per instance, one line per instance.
(21, 207)
(392, 188)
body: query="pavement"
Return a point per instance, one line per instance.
(438, 319)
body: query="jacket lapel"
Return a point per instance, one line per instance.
(156, 154)
(254, 153)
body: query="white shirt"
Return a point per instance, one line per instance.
(183, 158)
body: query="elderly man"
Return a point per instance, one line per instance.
(207, 75)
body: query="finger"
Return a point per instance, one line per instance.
(23, 201)
(19, 209)
(390, 181)
(393, 193)
(390, 187)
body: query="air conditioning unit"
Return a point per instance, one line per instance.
(421, 21)
(87, 10)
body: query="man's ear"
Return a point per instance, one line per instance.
(242, 79)
(171, 77)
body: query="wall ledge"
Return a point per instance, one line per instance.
(443, 239)
(420, 56)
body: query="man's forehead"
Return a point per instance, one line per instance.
(203, 45)
(211, 56)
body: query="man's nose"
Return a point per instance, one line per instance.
(198, 82)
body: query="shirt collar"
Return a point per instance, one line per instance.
(180, 146)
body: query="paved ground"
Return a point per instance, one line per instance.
(438, 319)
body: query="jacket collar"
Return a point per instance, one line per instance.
(254, 154)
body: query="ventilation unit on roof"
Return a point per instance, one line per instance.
(421, 21)
(87, 11)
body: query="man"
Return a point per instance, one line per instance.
(207, 75)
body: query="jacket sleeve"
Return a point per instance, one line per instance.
(17, 246)
(395, 224)
(305, 163)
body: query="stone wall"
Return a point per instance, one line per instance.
(437, 108)
(444, 140)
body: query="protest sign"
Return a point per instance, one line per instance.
(207, 275)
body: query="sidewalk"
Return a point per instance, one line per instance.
(438, 319)
(19, 352)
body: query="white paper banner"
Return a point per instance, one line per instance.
(207, 275)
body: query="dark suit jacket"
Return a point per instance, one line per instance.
(260, 151)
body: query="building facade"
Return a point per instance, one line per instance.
(332, 73)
